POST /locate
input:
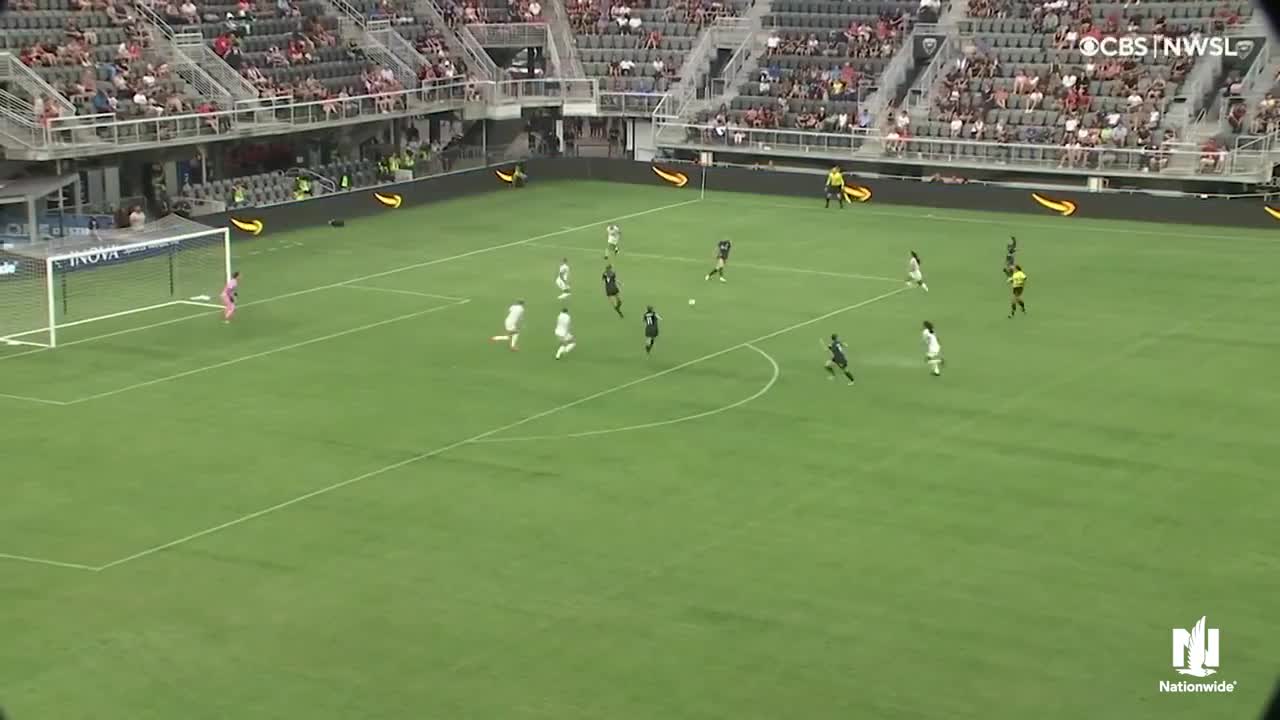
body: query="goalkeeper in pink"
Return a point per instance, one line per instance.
(229, 297)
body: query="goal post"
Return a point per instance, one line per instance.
(65, 282)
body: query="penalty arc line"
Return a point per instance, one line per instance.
(264, 353)
(777, 371)
(364, 278)
(486, 434)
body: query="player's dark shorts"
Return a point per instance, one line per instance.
(834, 191)
(651, 332)
(611, 292)
(723, 258)
(1017, 292)
(840, 362)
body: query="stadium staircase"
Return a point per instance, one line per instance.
(460, 41)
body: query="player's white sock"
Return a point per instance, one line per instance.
(559, 352)
(563, 295)
(569, 347)
(514, 339)
(924, 286)
(934, 365)
(500, 338)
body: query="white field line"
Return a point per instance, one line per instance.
(46, 561)
(777, 371)
(28, 398)
(372, 276)
(397, 291)
(770, 268)
(926, 214)
(792, 502)
(264, 353)
(488, 433)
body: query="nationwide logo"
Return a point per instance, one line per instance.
(857, 192)
(1065, 208)
(1272, 211)
(1195, 653)
(390, 200)
(678, 179)
(253, 227)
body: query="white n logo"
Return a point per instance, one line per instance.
(1195, 651)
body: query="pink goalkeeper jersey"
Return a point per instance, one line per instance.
(229, 291)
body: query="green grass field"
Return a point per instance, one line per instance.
(349, 503)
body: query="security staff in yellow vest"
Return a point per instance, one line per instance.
(407, 162)
(393, 162)
(835, 187)
(518, 178)
(237, 195)
(345, 182)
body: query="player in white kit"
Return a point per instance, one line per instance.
(515, 315)
(562, 279)
(564, 335)
(614, 238)
(932, 348)
(914, 275)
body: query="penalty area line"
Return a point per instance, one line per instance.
(364, 278)
(746, 266)
(264, 353)
(486, 434)
(773, 379)
(45, 561)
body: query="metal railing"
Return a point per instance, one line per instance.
(1257, 83)
(749, 49)
(510, 35)
(16, 120)
(920, 94)
(397, 45)
(460, 40)
(165, 45)
(353, 25)
(193, 46)
(14, 72)
(1244, 160)
(1191, 94)
(566, 46)
(630, 103)
(78, 135)
(895, 73)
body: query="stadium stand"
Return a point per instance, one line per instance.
(821, 59)
(641, 49)
(97, 56)
(1020, 78)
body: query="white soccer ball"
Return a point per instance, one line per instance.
(692, 301)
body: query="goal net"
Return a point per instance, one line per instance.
(64, 282)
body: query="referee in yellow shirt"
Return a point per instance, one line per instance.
(835, 187)
(1017, 281)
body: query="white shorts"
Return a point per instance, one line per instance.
(916, 276)
(613, 241)
(562, 284)
(512, 327)
(564, 338)
(933, 356)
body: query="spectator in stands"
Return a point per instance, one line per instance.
(137, 218)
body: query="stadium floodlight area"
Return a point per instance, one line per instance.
(65, 282)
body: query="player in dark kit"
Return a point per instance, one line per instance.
(1010, 251)
(651, 319)
(838, 359)
(722, 258)
(611, 290)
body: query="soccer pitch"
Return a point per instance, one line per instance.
(350, 503)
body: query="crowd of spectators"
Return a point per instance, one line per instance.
(859, 40)
(600, 17)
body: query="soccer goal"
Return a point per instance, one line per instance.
(65, 282)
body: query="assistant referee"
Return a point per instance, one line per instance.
(835, 187)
